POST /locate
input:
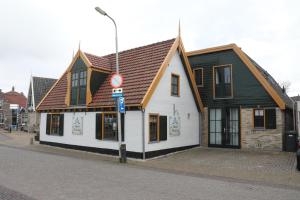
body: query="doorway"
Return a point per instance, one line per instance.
(224, 127)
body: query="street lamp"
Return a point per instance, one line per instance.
(102, 12)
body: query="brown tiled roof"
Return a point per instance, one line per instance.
(138, 66)
(98, 62)
(14, 97)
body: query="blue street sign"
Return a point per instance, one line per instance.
(117, 95)
(122, 105)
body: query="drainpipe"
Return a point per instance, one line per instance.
(143, 133)
(200, 130)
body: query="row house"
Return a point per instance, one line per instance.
(175, 100)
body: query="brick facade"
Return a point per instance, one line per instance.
(250, 138)
(261, 139)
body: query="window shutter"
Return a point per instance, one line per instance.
(61, 124)
(270, 118)
(98, 126)
(122, 126)
(163, 129)
(48, 122)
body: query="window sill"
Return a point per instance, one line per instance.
(155, 142)
(54, 135)
(107, 140)
(221, 98)
(175, 95)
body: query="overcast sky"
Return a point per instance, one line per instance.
(38, 37)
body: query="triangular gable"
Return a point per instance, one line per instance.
(141, 75)
(257, 74)
(177, 45)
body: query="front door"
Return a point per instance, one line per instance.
(224, 127)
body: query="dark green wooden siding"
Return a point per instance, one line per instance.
(247, 91)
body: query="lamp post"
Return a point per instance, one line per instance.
(102, 12)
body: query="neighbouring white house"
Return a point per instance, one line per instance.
(163, 105)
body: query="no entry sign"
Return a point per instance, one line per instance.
(116, 81)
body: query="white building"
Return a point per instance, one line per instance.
(163, 106)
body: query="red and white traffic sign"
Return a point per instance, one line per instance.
(116, 81)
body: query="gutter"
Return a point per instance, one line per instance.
(143, 133)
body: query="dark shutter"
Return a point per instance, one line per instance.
(122, 126)
(270, 118)
(48, 124)
(61, 124)
(163, 129)
(98, 126)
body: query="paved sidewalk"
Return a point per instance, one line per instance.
(276, 168)
(16, 138)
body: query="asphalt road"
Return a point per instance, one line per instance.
(27, 174)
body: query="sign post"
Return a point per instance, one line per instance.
(116, 81)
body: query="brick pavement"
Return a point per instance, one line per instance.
(8, 194)
(262, 166)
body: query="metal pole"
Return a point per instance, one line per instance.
(117, 71)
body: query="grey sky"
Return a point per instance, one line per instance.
(38, 37)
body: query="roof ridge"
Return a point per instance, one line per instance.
(43, 77)
(147, 45)
(211, 49)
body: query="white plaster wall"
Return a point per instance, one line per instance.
(162, 103)
(133, 134)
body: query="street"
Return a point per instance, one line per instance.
(28, 174)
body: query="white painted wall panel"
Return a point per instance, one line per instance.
(162, 103)
(133, 134)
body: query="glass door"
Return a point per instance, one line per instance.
(224, 127)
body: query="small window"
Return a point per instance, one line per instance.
(270, 118)
(153, 128)
(107, 126)
(198, 73)
(55, 124)
(110, 126)
(1, 118)
(158, 128)
(175, 85)
(259, 119)
(223, 81)
(265, 118)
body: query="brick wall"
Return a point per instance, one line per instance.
(260, 139)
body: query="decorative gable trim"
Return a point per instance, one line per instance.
(177, 45)
(257, 74)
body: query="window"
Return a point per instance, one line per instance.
(223, 81)
(259, 119)
(270, 118)
(157, 128)
(175, 85)
(78, 84)
(107, 126)
(55, 124)
(265, 118)
(153, 128)
(198, 73)
(1, 118)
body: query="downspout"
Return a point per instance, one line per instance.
(143, 133)
(200, 128)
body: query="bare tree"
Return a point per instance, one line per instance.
(286, 86)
